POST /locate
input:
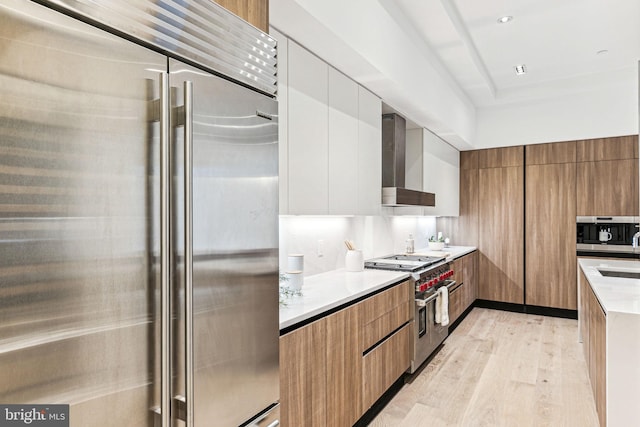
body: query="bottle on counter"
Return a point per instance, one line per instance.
(410, 244)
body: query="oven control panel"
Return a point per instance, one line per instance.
(433, 277)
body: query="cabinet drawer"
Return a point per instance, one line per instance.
(383, 365)
(385, 312)
(457, 301)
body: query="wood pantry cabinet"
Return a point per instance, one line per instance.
(501, 224)
(607, 176)
(333, 369)
(550, 211)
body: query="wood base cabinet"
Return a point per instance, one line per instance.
(332, 370)
(303, 372)
(385, 363)
(320, 372)
(465, 291)
(593, 329)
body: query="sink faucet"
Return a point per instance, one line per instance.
(636, 237)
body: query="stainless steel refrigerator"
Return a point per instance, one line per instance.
(138, 213)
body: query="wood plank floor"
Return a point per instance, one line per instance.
(500, 369)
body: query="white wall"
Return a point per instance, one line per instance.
(375, 235)
(601, 111)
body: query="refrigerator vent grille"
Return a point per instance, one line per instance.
(199, 31)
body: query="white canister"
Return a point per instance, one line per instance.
(295, 262)
(295, 279)
(354, 260)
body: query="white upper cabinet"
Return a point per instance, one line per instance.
(369, 153)
(441, 175)
(307, 140)
(343, 144)
(330, 138)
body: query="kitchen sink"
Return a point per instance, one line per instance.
(620, 273)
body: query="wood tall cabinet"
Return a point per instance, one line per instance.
(550, 211)
(255, 12)
(607, 176)
(501, 218)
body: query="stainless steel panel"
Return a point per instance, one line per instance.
(235, 243)
(585, 247)
(78, 218)
(608, 219)
(198, 30)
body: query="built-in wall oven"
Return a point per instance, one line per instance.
(430, 274)
(609, 236)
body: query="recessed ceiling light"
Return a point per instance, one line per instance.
(505, 19)
(520, 69)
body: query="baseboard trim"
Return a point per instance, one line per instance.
(527, 309)
(377, 407)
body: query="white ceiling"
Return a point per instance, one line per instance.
(448, 66)
(557, 40)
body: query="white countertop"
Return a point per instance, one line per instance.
(451, 252)
(616, 294)
(322, 292)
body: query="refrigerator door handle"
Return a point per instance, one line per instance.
(188, 250)
(165, 254)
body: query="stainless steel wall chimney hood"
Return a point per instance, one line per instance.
(393, 166)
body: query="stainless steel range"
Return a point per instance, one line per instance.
(430, 274)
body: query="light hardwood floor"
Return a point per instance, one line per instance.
(500, 369)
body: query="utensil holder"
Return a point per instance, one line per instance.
(354, 260)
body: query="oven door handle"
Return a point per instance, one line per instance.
(422, 302)
(450, 284)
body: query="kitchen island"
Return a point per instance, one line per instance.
(609, 327)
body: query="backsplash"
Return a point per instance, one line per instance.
(325, 236)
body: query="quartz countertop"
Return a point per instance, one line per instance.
(322, 292)
(325, 291)
(451, 252)
(616, 294)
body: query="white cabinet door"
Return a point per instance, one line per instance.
(307, 140)
(441, 175)
(343, 144)
(369, 153)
